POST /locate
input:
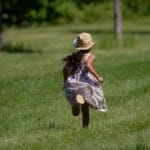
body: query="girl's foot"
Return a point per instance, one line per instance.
(79, 99)
(103, 110)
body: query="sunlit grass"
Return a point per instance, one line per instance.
(34, 113)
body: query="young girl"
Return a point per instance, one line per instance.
(81, 81)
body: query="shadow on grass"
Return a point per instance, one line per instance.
(17, 48)
(107, 31)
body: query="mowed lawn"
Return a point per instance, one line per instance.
(34, 114)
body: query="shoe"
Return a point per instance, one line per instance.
(103, 110)
(79, 99)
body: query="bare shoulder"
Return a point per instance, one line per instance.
(92, 56)
(89, 56)
(91, 59)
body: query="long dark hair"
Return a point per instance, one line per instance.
(72, 63)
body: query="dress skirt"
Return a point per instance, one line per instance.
(85, 84)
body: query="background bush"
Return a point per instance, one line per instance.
(21, 12)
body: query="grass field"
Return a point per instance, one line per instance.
(33, 111)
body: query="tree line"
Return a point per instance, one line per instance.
(20, 12)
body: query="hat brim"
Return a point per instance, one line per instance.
(85, 48)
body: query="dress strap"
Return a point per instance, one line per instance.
(86, 56)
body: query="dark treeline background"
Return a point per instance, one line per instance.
(25, 12)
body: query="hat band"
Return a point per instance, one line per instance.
(84, 45)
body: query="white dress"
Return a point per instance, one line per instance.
(85, 84)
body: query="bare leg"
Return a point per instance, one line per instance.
(85, 115)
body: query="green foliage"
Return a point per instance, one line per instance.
(138, 7)
(96, 12)
(24, 12)
(15, 11)
(67, 10)
(16, 48)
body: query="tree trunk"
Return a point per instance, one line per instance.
(1, 30)
(117, 19)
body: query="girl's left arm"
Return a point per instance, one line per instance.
(89, 65)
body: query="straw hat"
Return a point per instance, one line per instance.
(83, 41)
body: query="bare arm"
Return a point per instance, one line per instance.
(89, 65)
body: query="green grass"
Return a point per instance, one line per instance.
(34, 113)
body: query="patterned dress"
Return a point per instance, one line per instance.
(85, 84)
